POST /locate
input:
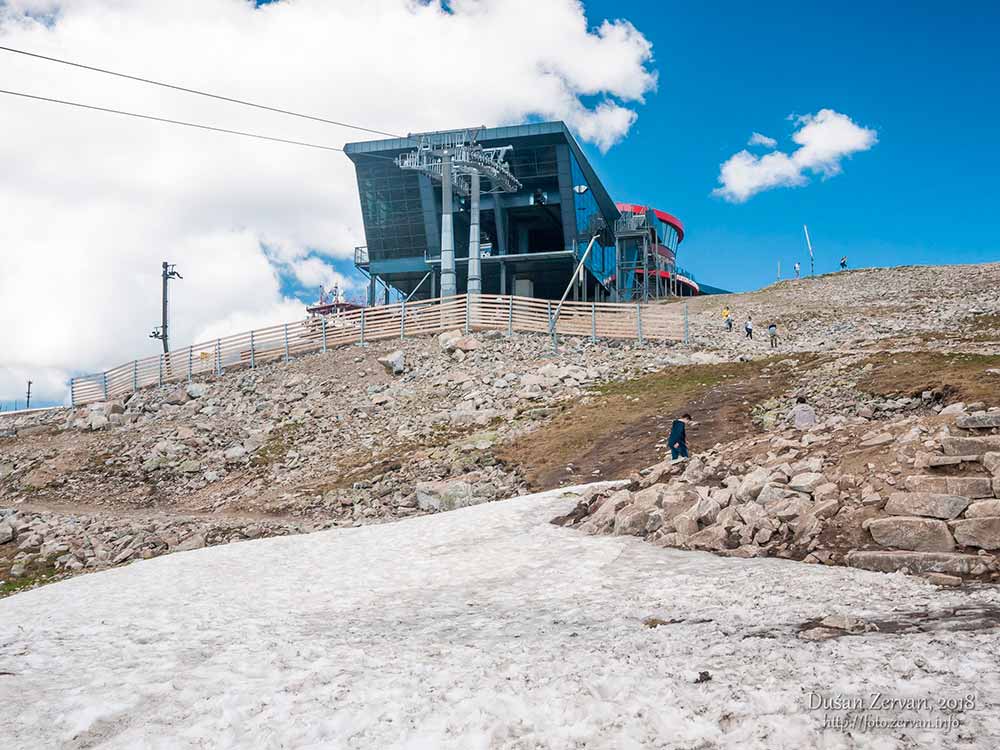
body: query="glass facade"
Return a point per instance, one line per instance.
(392, 209)
(601, 261)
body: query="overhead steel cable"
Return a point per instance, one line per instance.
(197, 92)
(109, 110)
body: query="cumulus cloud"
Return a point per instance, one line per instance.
(825, 139)
(759, 139)
(93, 203)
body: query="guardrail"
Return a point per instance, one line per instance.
(318, 334)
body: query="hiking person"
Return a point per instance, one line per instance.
(797, 268)
(748, 328)
(725, 313)
(843, 263)
(678, 437)
(729, 321)
(802, 415)
(772, 331)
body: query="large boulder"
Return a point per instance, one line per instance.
(983, 508)
(712, 538)
(446, 495)
(973, 487)
(752, 484)
(807, 481)
(980, 422)
(631, 520)
(394, 362)
(921, 534)
(983, 532)
(953, 563)
(926, 504)
(970, 446)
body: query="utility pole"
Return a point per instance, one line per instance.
(812, 262)
(161, 332)
(27, 403)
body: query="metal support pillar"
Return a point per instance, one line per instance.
(449, 286)
(475, 274)
(135, 375)
(362, 340)
(72, 395)
(638, 321)
(161, 371)
(218, 356)
(324, 334)
(467, 313)
(402, 320)
(286, 342)
(434, 284)
(190, 362)
(104, 380)
(510, 315)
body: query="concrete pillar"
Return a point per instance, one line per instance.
(449, 286)
(475, 274)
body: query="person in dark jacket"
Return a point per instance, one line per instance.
(678, 438)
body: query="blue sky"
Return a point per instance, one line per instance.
(926, 80)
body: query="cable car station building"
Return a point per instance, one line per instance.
(541, 210)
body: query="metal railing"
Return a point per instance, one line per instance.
(318, 334)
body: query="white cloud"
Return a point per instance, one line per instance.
(825, 139)
(759, 139)
(93, 203)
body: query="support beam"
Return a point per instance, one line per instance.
(475, 273)
(449, 286)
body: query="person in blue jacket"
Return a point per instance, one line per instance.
(678, 438)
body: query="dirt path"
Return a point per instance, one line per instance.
(624, 427)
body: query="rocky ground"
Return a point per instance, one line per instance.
(401, 428)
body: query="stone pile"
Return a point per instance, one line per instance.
(792, 494)
(57, 543)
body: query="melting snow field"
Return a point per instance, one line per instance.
(486, 627)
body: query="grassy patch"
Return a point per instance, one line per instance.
(279, 441)
(36, 574)
(956, 376)
(617, 430)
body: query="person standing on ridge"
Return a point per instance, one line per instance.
(797, 268)
(748, 327)
(729, 321)
(678, 437)
(843, 263)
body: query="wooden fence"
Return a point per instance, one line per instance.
(318, 334)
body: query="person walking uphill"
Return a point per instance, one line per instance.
(772, 331)
(678, 437)
(748, 327)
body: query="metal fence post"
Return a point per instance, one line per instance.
(638, 321)
(552, 327)
(286, 343)
(323, 321)
(402, 319)
(467, 312)
(190, 361)
(104, 378)
(218, 356)
(685, 322)
(72, 394)
(252, 361)
(161, 371)
(135, 375)
(362, 341)
(510, 315)
(593, 322)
